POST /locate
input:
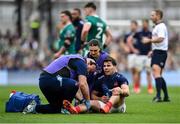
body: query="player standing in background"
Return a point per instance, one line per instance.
(159, 42)
(141, 60)
(133, 39)
(145, 60)
(94, 28)
(67, 35)
(78, 24)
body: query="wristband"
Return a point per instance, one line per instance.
(86, 102)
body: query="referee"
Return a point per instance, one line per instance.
(159, 42)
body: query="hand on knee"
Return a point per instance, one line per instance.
(117, 91)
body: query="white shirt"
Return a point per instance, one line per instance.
(160, 30)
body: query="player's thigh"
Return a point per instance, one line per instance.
(131, 60)
(159, 58)
(156, 70)
(147, 64)
(101, 104)
(139, 63)
(158, 62)
(50, 87)
(69, 88)
(96, 105)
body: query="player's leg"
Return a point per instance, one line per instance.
(114, 100)
(164, 88)
(149, 81)
(148, 75)
(136, 80)
(51, 90)
(120, 107)
(138, 67)
(158, 81)
(158, 63)
(135, 75)
(70, 88)
(95, 105)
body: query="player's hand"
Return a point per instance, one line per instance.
(146, 40)
(136, 51)
(56, 55)
(104, 99)
(117, 91)
(150, 54)
(84, 45)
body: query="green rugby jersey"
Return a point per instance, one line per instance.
(98, 28)
(68, 32)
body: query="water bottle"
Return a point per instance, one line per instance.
(12, 92)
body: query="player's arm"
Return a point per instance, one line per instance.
(150, 53)
(84, 86)
(130, 44)
(67, 43)
(94, 96)
(85, 30)
(108, 36)
(153, 40)
(81, 70)
(79, 96)
(123, 90)
(156, 39)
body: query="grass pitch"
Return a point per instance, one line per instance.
(140, 109)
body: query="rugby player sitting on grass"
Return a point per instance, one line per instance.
(108, 94)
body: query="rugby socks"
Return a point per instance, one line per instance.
(150, 86)
(158, 82)
(109, 104)
(164, 88)
(78, 109)
(107, 107)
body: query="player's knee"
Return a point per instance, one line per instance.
(156, 71)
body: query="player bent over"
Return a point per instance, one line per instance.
(109, 92)
(61, 80)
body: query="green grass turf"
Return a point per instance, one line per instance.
(139, 109)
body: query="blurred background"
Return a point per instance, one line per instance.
(29, 30)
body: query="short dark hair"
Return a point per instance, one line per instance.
(77, 9)
(145, 20)
(94, 42)
(68, 13)
(110, 59)
(134, 21)
(90, 5)
(159, 12)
